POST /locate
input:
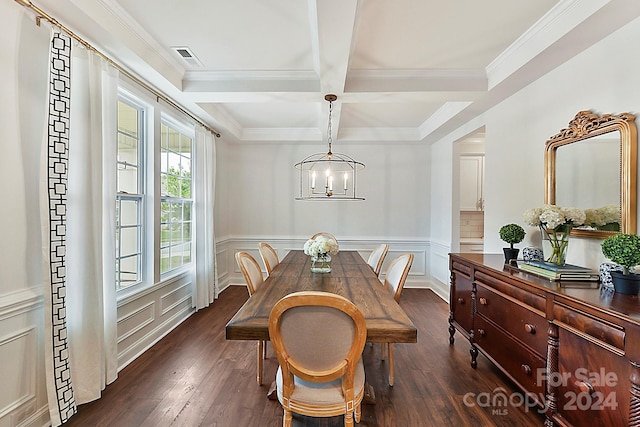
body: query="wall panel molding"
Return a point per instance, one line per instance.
(440, 274)
(175, 297)
(17, 303)
(19, 400)
(419, 276)
(136, 320)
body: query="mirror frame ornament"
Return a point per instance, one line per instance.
(586, 125)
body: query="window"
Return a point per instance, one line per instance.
(175, 201)
(130, 192)
(154, 194)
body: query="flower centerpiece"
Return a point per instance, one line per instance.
(320, 250)
(556, 223)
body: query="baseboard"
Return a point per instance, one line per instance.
(440, 289)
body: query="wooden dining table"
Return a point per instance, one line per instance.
(350, 277)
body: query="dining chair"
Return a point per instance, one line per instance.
(324, 233)
(377, 258)
(394, 281)
(269, 256)
(321, 372)
(254, 279)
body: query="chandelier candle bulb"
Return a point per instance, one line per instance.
(313, 181)
(346, 177)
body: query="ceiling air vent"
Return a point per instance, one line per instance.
(187, 56)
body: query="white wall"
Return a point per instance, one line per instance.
(603, 78)
(23, 84)
(259, 184)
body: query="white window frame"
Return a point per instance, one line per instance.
(155, 114)
(189, 131)
(143, 142)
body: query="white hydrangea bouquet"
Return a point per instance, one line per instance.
(320, 246)
(556, 223)
(603, 218)
(320, 249)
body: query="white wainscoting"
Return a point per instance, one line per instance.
(224, 259)
(144, 318)
(419, 275)
(440, 276)
(23, 399)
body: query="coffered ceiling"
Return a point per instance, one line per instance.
(403, 70)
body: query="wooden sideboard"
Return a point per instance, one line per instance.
(573, 351)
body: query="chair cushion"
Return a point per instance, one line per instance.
(321, 393)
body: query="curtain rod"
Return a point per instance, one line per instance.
(43, 15)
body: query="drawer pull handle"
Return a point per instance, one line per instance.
(482, 332)
(585, 387)
(526, 369)
(530, 328)
(461, 300)
(483, 301)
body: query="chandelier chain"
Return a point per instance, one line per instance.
(329, 131)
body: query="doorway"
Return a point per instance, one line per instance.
(471, 192)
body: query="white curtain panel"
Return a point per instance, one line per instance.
(91, 294)
(205, 269)
(55, 155)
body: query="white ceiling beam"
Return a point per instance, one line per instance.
(429, 80)
(250, 81)
(334, 30)
(445, 113)
(346, 98)
(562, 19)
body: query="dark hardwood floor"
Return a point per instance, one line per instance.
(194, 377)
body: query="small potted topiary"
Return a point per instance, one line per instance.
(624, 250)
(511, 234)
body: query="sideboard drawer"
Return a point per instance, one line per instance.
(524, 324)
(464, 268)
(526, 296)
(524, 366)
(600, 330)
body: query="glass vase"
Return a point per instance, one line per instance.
(321, 264)
(558, 243)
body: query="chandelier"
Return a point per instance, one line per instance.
(328, 176)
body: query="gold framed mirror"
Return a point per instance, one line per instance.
(592, 165)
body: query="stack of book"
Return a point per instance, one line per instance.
(559, 272)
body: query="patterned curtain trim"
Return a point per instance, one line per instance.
(62, 403)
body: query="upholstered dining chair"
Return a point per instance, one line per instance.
(254, 279)
(394, 282)
(269, 256)
(327, 235)
(321, 372)
(377, 258)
